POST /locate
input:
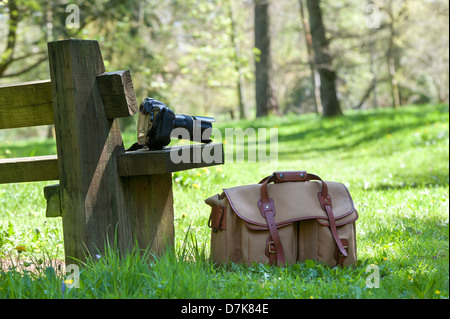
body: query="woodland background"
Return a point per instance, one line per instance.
(383, 65)
(210, 57)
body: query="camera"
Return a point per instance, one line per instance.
(157, 124)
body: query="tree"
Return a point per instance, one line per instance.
(426, 51)
(323, 61)
(195, 54)
(236, 59)
(266, 99)
(212, 59)
(314, 74)
(17, 11)
(394, 51)
(32, 23)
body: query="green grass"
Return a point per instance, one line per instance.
(394, 162)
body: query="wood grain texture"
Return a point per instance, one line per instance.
(92, 204)
(26, 104)
(117, 90)
(169, 160)
(150, 204)
(29, 169)
(98, 206)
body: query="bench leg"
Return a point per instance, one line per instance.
(150, 205)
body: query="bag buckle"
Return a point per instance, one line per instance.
(217, 219)
(339, 254)
(271, 244)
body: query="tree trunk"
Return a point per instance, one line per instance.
(322, 57)
(315, 77)
(236, 57)
(7, 57)
(397, 18)
(266, 99)
(392, 67)
(372, 65)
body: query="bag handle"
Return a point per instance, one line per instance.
(290, 176)
(287, 176)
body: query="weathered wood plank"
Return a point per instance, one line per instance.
(150, 204)
(51, 194)
(26, 104)
(117, 90)
(98, 206)
(29, 169)
(171, 159)
(92, 203)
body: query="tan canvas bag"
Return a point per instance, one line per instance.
(298, 217)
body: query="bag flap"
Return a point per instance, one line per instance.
(293, 201)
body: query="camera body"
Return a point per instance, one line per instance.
(157, 124)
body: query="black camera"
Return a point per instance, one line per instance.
(157, 124)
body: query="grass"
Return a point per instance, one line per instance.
(394, 162)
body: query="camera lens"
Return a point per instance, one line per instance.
(198, 127)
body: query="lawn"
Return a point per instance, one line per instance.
(395, 164)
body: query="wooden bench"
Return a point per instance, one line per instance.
(104, 193)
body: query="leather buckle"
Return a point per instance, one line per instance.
(339, 254)
(270, 248)
(217, 219)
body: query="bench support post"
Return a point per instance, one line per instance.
(97, 204)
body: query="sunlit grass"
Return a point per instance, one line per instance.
(394, 162)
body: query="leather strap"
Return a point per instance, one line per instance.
(325, 202)
(291, 176)
(267, 209)
(263, 192)
(338, 255)
(218, 218)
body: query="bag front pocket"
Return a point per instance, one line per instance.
(316, 242)
(257, 245)
(308, 240)
(328, 252)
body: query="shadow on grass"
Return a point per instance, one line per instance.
(354, 130)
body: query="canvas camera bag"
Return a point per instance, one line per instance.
(287, 218)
